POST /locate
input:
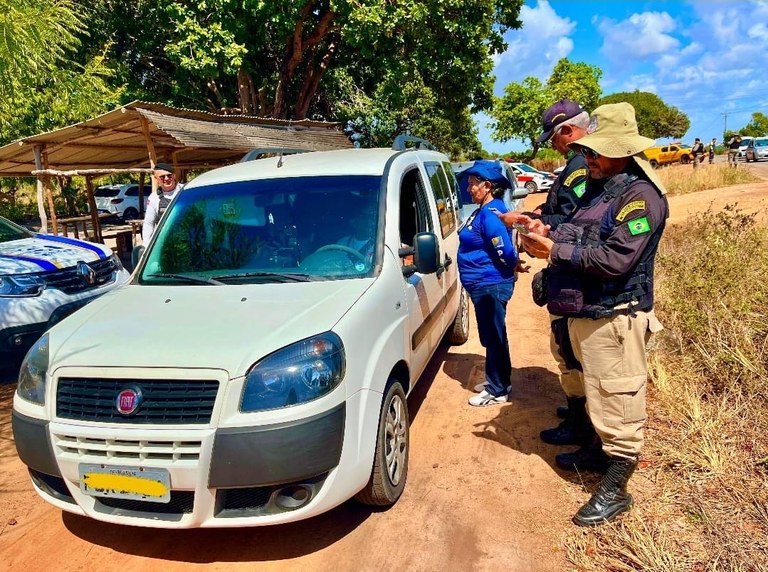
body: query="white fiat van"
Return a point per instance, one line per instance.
(255, 369)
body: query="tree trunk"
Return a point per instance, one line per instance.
(245, 92)
(294, 52)
(312, 81)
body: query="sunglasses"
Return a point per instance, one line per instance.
(589, 153)
(165, 177)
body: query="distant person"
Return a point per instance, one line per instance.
(733, 149)
(167, 188)
(487, 260)
(698, 152)
(362, 237)
(712, 148)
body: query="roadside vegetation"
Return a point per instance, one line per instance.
(683, 179)
(701, 494)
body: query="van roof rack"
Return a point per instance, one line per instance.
(401, 143)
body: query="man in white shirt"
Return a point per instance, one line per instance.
(167, 187)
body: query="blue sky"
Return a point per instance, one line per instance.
(707, 58)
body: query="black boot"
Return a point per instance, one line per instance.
(589, 457)
(611, 498)
(562, 411)
(576, 429)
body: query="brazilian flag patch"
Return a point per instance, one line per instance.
(639, 226)
(579, 189)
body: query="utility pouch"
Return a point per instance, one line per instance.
(563, 341)
(539, 287)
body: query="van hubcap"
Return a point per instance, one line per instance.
(396, 439)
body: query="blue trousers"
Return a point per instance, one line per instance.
(491, 313)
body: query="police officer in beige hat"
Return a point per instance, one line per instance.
(601, 279)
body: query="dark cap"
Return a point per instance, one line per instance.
(557, 113)
(163, 167)
(489, 171)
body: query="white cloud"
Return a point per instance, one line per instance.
(638, 37)
(534, 50)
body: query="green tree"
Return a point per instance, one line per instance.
(655, 119)
(517, 114)
(758, 127)
(364, 61)
(42, 87)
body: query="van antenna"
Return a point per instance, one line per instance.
(280, 158)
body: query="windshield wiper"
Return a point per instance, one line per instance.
(272, 276)
(187, 278)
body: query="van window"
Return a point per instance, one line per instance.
(106, 192)
(414, 208)
(444, 198)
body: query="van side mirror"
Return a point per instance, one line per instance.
(426, 257)
(136, 254)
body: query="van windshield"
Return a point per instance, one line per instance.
(273, 230)
(10, 231)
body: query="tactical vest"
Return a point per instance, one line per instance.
(579, 295)
(162, 203)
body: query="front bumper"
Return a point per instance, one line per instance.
(223, 477)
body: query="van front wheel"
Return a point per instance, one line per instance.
(390, 463)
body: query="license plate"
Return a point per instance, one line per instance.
(135, 483)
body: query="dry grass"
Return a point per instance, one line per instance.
(684, 179)
(702, 496)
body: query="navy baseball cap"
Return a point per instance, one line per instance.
(489, 171)
(557, 113)
(163, 167)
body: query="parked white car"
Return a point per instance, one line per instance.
(536, 181)
(268, 339)
(45, 278)
(757, 149)
(120, 200)
(745, 140)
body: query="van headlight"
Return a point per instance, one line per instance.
(31, 385)
(21, 285)
(295, 374)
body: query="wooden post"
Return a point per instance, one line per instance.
(49, 195)
(40, 205)
(141, 195)
(150, 148)
(95, 220)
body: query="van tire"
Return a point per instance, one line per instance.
(685, 159)
(531, 186)
(654, 163)
(458, 333)
(388, 475)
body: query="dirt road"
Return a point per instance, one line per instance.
(482, 491)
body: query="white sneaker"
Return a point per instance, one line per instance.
(481, 387)
(484, 399)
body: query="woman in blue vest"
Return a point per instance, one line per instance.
(487, 260)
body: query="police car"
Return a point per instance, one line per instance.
(45, 278)
(275, 359)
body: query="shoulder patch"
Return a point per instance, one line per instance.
(630, 208)
(497, 242)
(639, 226)
(577, 173)
(580, 189)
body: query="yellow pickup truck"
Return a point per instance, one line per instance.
(667, 154)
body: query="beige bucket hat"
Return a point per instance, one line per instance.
(613, 133)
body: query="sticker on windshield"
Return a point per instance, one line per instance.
(229, 209)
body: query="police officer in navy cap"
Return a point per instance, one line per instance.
(601, 281)
(167, 188)
(564, 122)
(487, 260)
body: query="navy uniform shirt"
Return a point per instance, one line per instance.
(566, 191)
(625, 231)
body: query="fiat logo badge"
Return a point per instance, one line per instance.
(128, 400)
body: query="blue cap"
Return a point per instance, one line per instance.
(489, 171)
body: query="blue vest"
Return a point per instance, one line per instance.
(580, 295)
